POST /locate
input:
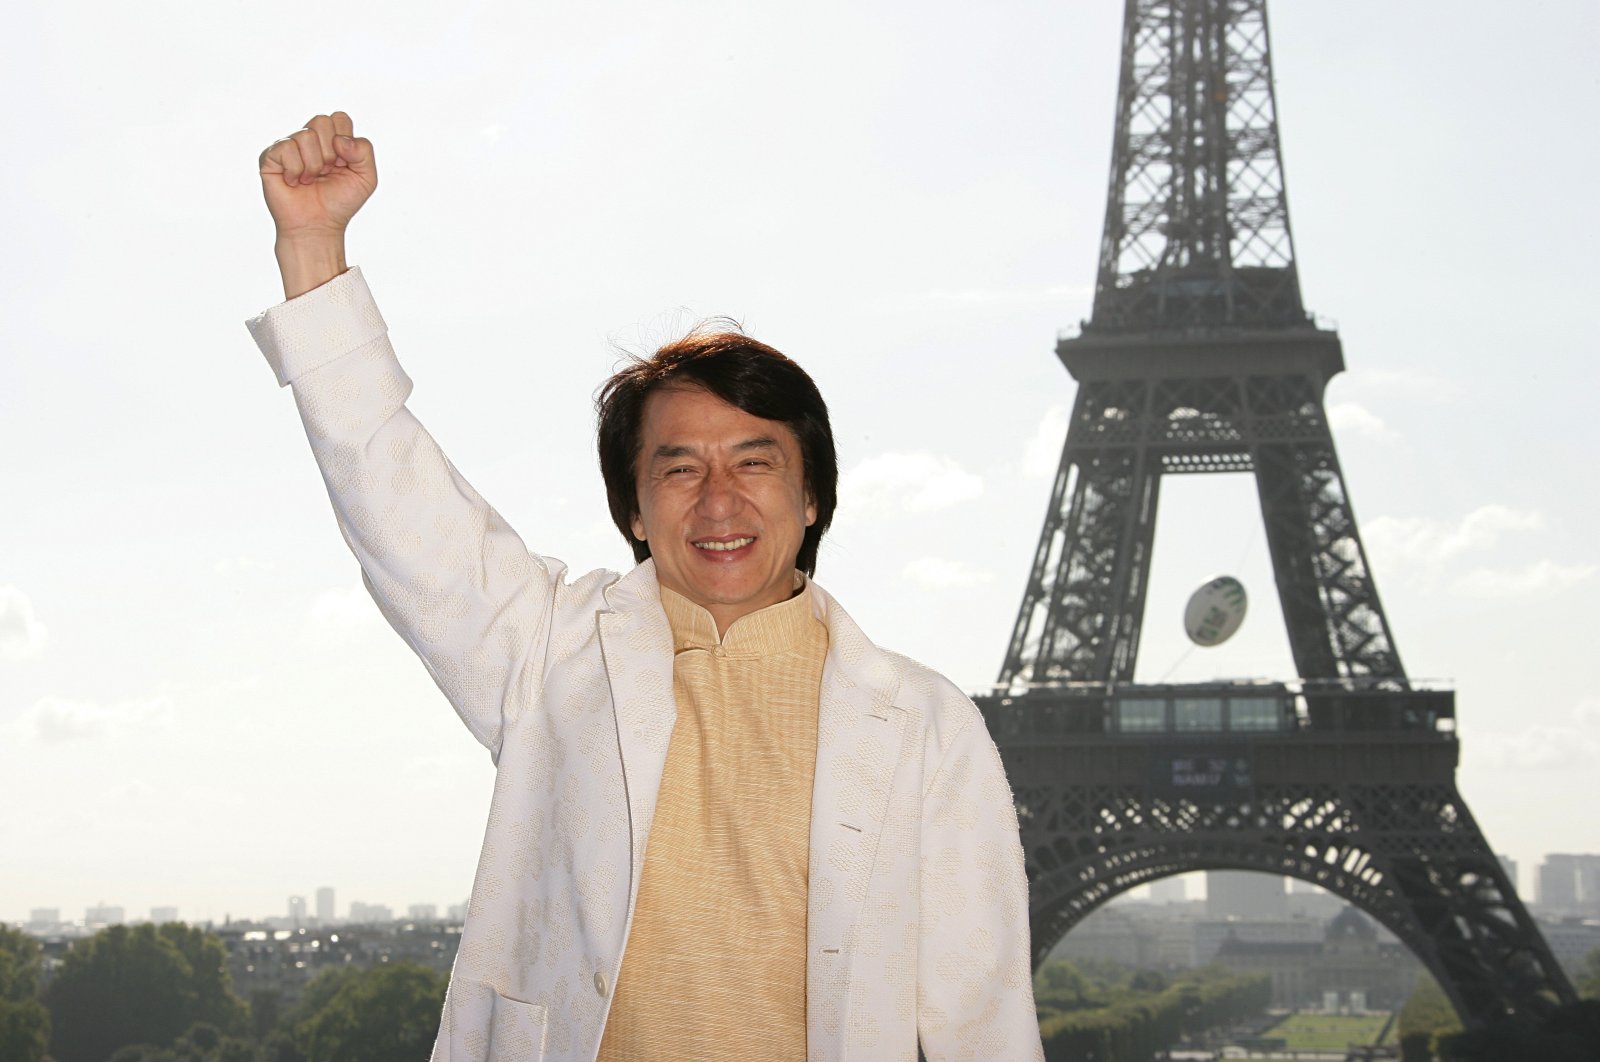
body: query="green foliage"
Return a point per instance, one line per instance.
(1588, 980)
(19, 964)
(24, 1023)
(139, 985)
(1570, 1034)
(1135, 1024)
(1416, 1047)
(266, 1010)
(203, 1042)
(1060, 986)
(1427, 1012)
(24, 1030)
(383, 1014)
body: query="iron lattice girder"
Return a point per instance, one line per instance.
(1083, 606)
(1373, 817)
(1197, 219)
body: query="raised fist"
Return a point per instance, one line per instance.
(316, 179)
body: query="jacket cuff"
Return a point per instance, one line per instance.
(324, 324)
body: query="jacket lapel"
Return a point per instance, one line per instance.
(859, 734)
(637, 644)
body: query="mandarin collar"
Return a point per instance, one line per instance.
(775, 629)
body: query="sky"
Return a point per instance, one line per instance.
(200, 708)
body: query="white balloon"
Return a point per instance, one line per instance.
(1215, 611)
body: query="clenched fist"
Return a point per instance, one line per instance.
(314, 181)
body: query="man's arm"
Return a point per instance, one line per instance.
(449, 574)
(314, 181)
(975, 972)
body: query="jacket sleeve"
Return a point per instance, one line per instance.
(447, 572)
(975, 967)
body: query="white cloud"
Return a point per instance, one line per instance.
(905, 483)
(1043, 455)
(1536, 578)
(1351, 418)
(937, 573)
(1419, 540)
(59, 719)
(21, 634)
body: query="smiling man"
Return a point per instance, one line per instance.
(725, 825)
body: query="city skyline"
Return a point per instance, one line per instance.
(199, 706)
(1563, 883)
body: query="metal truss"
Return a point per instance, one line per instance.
(1197, 221)
(1084, 602)
(1408, 854)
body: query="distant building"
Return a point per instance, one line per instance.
(1350, 968)
(262, 959)
(1210, 934)
(1245, 894)
(457, 913)
(102, 916)
(163, 915)
(422, 912)
(1169, 890)
(1313, 904)
(373, 914)
(1569, 886)
(297, 910)
(44, 920)
(1571, 940)
(325, 908)
(1116, 937)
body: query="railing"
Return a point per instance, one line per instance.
(1302, 706)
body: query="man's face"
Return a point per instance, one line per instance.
(722, 502)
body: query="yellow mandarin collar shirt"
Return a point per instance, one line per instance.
(715, 966)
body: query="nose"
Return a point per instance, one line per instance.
(719, 496)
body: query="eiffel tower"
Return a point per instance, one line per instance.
(1200, 357)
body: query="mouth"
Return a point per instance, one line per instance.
(711, 545)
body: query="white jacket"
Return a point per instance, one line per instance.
(918, 905)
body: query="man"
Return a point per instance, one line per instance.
(725, 825)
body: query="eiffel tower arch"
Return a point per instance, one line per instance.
(1199, 357)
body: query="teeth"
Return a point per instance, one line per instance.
(723, 547)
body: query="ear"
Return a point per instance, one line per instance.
(638, 528)
(811, 509)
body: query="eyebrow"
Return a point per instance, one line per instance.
(669, 452)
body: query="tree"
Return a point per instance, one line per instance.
(383, 1014)
(140, 985)
(1588, 980)
(24, 1023)
(19, 964)
(1570, 1034)
(24, 1030)
(203, 1042)
(1427, 1012)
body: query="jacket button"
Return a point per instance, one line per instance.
(600, 982)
